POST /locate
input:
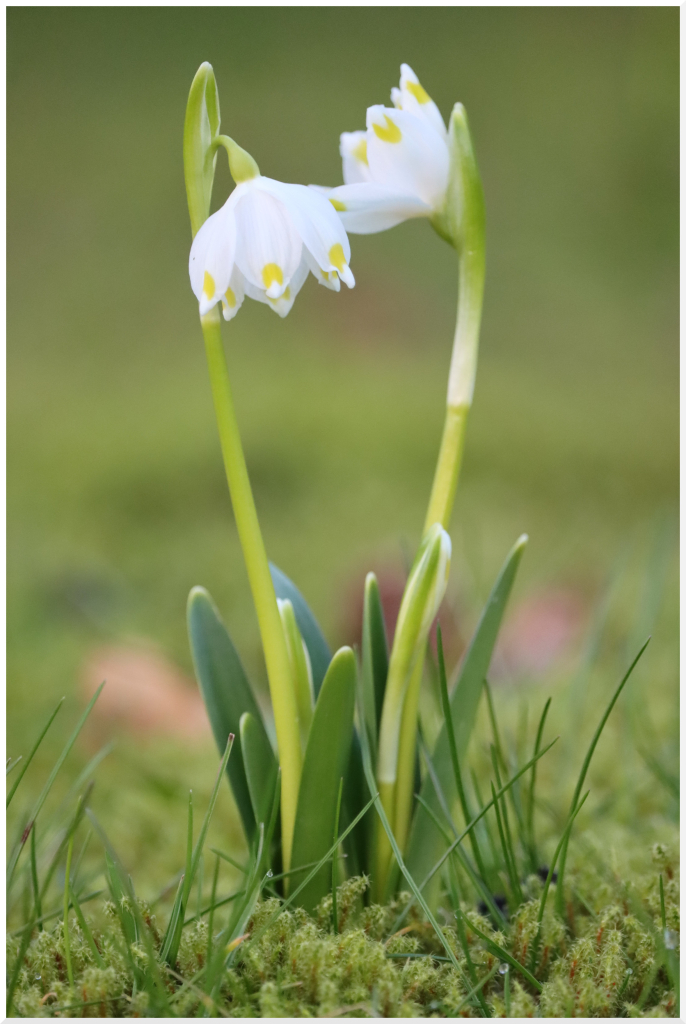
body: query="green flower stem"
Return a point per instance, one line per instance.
(271, 630)
(462, 224)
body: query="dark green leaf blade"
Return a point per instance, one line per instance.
(425, 842)
(374, 657)
(225, 690)
(326, 760)
(260, 766)
(317, 647)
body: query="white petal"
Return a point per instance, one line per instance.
(318, 225)
(329, 280)
(353, 149)
(416, 100)
(283, 304)
(397, 98)
(212, 256)
(368, 207)
(268, 247)
(232, 299)
(407, 155)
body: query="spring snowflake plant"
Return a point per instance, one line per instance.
(347, 733)
(344, 810)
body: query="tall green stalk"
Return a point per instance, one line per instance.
(271, 630)
(201, 140)
(462, 224)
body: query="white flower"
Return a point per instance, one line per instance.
(263, 243)
(397, 168)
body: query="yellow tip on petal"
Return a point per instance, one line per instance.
(230, 298)
(337, 256)
(391, 133)
(418, 91)
(360, 151)
(208, 286)
(337, 205)
(272, 273)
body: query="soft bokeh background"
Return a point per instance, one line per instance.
(117, 501)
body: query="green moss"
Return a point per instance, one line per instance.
(608, 959)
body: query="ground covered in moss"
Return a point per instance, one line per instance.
(615, 955)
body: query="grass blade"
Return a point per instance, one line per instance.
(29, 759)
(498, 950)
(424, 842)
(559, 894)
(505, 834)
(48, 785)
(65, 918)
(533, 855)
(476, 990)
(448, 719)
(564, 839)
(34, 880)
(334, 866)
(456, 842)
(170, 948)
(371, 783)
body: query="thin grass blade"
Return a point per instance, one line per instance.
(29, 759)
(424, 842)
(559, 893)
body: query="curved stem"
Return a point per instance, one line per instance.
(271, 630)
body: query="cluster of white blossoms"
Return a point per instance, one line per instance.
(269, 235)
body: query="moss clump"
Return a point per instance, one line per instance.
(609, 958)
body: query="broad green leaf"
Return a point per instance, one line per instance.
(326, 762)
(374, 658)
(425, 843)
(260, 766)
(200, 129)
(320, 659)
(225, 690)
(300, 667)
(317, 647)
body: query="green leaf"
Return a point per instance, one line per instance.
(260, 766)
(559, 891)
(317, 647)
(425, 843)
(29, 759)
(225, 690)
(200, 129)
(326, 760)
(374, 658)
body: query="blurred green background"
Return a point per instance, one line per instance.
(117, 503)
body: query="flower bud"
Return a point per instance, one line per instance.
(422, 598)
(200, 130)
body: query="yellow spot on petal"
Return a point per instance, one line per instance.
(360, 151)
(337, 205)
(282, 298)
(418, 91)
(272, 272)
(208, 285)
(337, 256)
(391, 133)
(230, 298)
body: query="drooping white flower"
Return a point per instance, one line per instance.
(263, 242)
(398, 168)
